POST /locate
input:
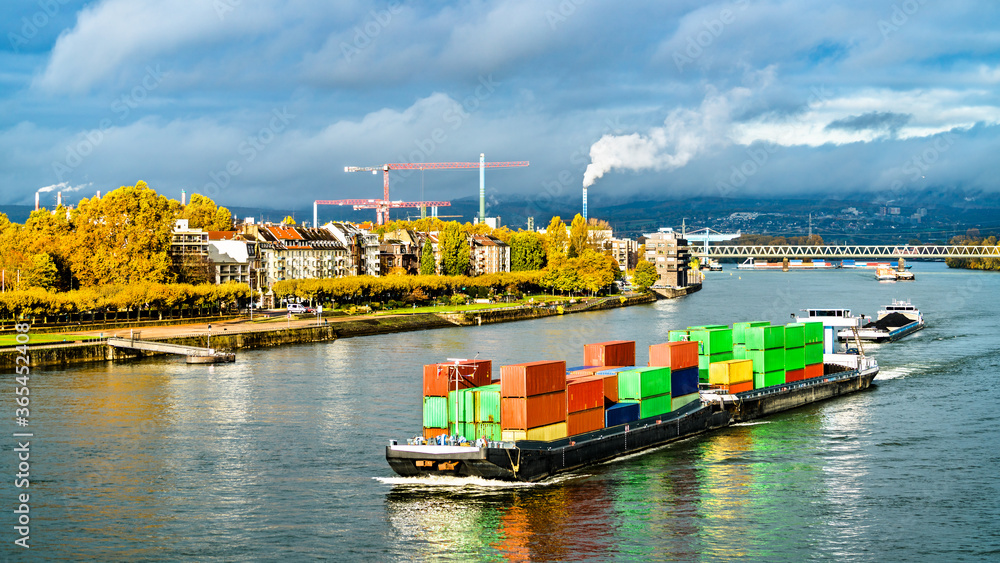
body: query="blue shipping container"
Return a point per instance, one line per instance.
(613, 371)
(578, 368)
(684, 381)
(621, 413)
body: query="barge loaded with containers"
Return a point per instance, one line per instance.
(542, 419)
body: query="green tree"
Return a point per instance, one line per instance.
(527, 252)
(454, 251)
(578, 235)
(645, 275)
(427, 266)
(124, 237)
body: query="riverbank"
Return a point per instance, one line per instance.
(239, 334)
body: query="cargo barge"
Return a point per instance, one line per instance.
(527, 460)
(893, 322)
(543, 419)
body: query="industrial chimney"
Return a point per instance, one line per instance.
(58, 199)
(36, 201)
(98, 194)
(183, 197)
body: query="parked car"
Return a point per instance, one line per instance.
(297, 308)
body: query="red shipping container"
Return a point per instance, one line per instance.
(585, 421)
(432, 432)
(584, 393)
(439, 379)
(614, 353)
(675, 355)
(610, 388)
(814, 370)
(482, 371)
(795, 375)
(533, 378)
(522, 413)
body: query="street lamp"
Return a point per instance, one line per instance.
(209, 336)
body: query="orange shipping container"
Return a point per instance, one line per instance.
(523, 413)
(814, 370)
(611, 388)
(613, 353)
(532, 378)
(675, 355)
(585, 421)
(795, 375)
(584, 393)
(741, 387)
(432, 432)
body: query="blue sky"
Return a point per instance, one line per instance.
(263, 103)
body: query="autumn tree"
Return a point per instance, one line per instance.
(527, 251)
(454, 251)
(556, 240)
(427, 266)
(124, 237)
(578, 235)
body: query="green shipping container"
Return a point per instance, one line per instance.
(765, 337)
(462, 406)
(488, 403)
(767, 360)
(467, 429)
(678, 402)
(677, 335)
(654, 406)
(639, 383)
(704, 361)
(761, 380)
(488, 430)
(714, 341)
(795, 335)
(814, 333)
(739, 352)
(740, 331)
(435, 412)
(795, 358)
(814, 353)
(707, 327)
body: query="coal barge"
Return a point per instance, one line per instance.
(531, 461)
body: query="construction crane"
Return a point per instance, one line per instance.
(382, 206)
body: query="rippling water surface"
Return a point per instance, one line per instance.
(281, 456)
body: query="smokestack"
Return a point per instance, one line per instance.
(584, 204)
(58, 199)
(183, 197)
(98, 194)
(482, 187)
(36, 201)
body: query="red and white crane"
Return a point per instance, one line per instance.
(382, 206)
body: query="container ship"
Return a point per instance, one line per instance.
(752, 264)
(542, 419)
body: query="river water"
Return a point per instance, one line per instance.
(281, 455)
